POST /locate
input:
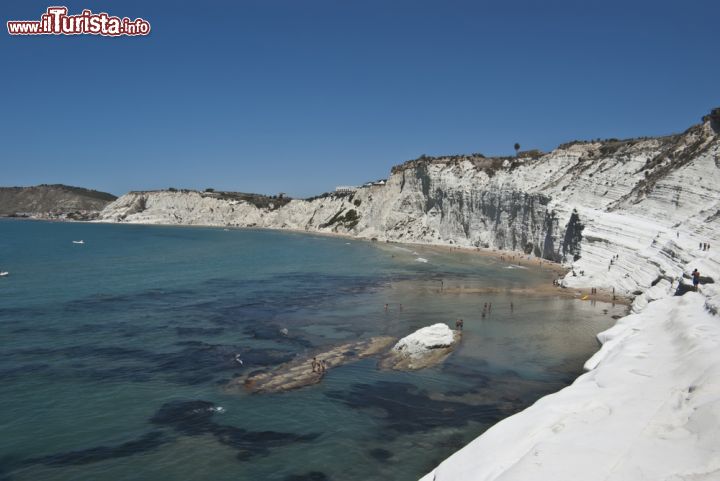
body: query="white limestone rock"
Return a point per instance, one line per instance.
(423, 340)
(423, 348)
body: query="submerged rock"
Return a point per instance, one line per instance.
(424, 348)
(299, 372)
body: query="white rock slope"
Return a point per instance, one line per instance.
(648, 410)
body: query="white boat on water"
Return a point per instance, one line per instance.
(4, 273)
(79, 242)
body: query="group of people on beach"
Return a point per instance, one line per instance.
(704, 246)
(318, 366)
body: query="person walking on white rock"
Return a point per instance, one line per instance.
(696, 278)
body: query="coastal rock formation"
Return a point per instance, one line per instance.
(300, 373)
(630, 217)
(621, 213)
(53, 201)
(423, 348)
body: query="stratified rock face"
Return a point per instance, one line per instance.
(580, 204)
(44, 199)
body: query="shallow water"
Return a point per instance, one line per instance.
(114, 353)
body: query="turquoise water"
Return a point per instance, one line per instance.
(115, 353)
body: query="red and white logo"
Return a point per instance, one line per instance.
(56, 21)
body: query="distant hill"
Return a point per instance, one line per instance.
(56, 198)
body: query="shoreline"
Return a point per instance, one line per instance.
(509, 257)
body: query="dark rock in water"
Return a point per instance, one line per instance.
(8, 463)
(200, 362)
(408, 409)
(275, 333)
(199, 331)
(192, 418)
(187, 417)
(311, 476)
(22, 371)
(454, 442)
(381, 454)
(145, 443)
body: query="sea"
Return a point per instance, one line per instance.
(115, 354)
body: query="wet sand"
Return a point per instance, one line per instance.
(511, 258)
(542, 290)
(527, 262)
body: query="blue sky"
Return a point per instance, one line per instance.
(302, 95)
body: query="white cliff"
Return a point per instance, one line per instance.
(650, 202)
(629, 215)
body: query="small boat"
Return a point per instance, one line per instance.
(4, 273)
(79, 242)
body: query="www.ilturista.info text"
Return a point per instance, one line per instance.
(56, 21)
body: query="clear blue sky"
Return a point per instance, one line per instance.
(302, 95)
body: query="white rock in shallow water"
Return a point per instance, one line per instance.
(423, 340)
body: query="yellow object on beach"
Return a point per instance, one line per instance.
(584, 297)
